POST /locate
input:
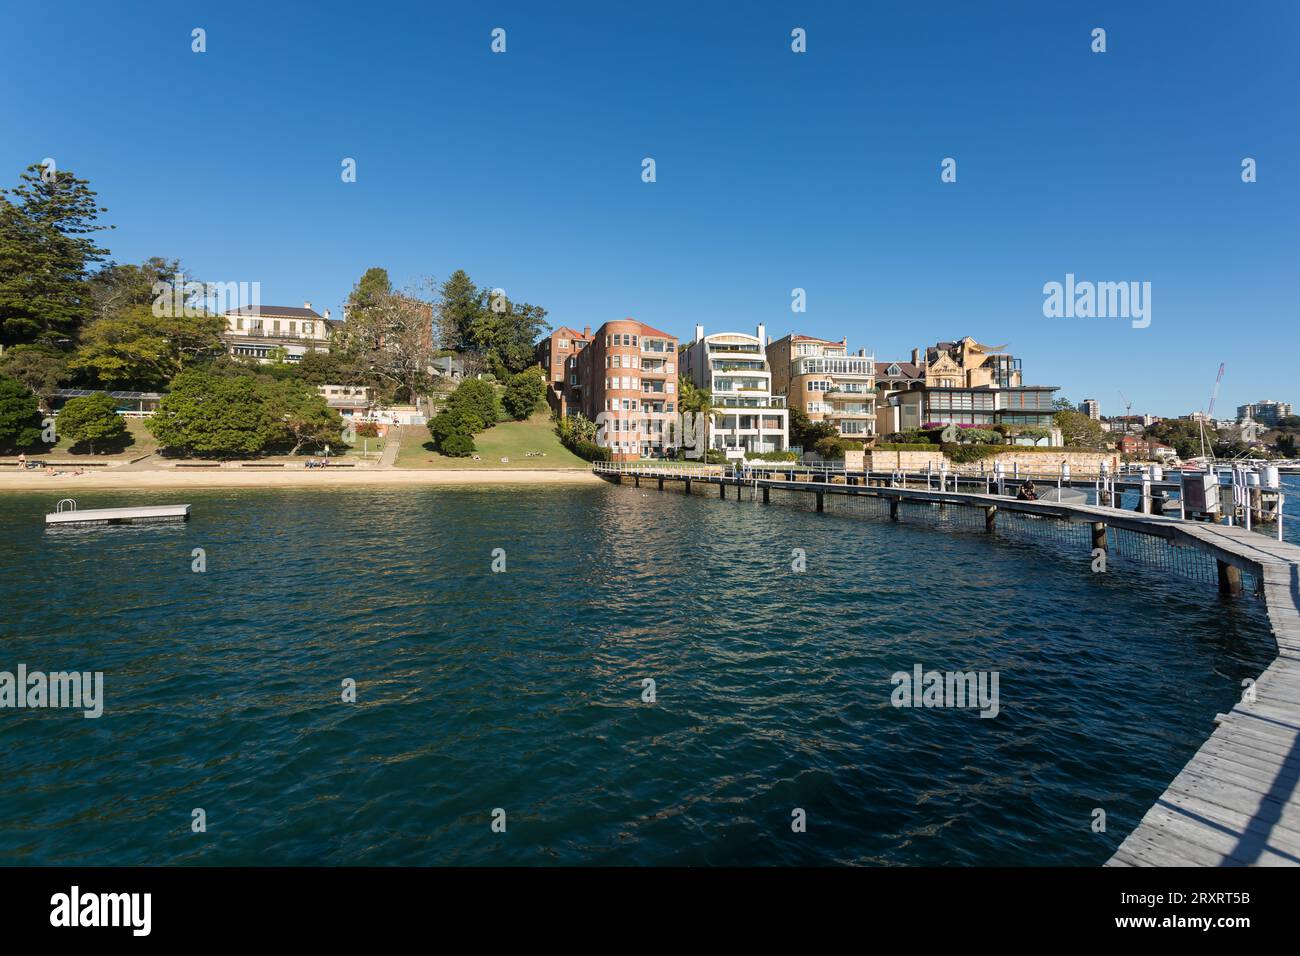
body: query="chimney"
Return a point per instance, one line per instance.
(699, 332)
(306, 305)
(327, 313)
(916, 356)
(586, 331)
(761, 335)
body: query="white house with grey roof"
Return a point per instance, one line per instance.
(255, 331)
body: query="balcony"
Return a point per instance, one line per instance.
(268, 334)
(746, 401)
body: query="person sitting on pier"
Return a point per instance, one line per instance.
(1027, 492)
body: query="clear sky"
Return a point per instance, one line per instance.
(775, 170)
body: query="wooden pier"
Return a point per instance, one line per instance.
(1237, 801)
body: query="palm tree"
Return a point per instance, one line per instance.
(699, 400)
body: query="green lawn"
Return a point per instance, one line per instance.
(511, 440)
(142, 443)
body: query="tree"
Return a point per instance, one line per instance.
(42, 368)
(1077, 428)
(362, 332)
(504, 333)
(215, 415)
(20, 418)
(138, 348)
(45, 255)
(116, 287)
(329, 368)
(91, 419)
(390, 334)
(303, 413)
(459, 304)
(806, 433)
(525, 393)
(480, 321)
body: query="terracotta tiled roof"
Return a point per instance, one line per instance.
(651, 330)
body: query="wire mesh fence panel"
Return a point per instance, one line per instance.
(1159, 555)
(796, 499)
(865, 506)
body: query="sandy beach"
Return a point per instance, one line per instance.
(295, 478)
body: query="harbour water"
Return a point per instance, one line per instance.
(523, 689)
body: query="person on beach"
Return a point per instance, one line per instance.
(22, 462)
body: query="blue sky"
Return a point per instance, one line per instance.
(775, 170)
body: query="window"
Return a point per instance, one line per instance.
(564, 343)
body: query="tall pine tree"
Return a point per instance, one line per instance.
(46, 251)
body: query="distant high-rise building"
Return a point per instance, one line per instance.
(1265, 412)
(1092, 408)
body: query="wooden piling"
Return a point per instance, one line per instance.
(1229, 579)
(1099, 535)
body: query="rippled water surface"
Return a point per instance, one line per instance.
(522, 690)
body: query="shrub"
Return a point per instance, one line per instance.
(452, 424)
(457, 445)
(367, 430)
(773, 456)
(586, 450)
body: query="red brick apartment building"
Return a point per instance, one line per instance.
(557, 354)
(628, 373)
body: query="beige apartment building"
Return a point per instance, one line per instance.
(828, 383)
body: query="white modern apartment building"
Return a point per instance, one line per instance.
(733, 367)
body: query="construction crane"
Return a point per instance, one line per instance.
(1128, 410)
